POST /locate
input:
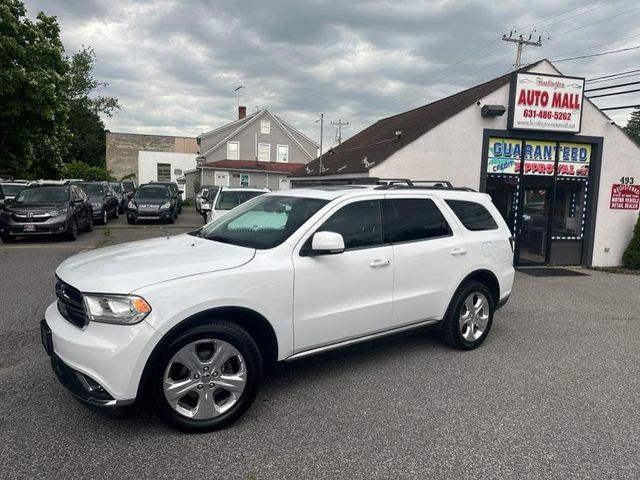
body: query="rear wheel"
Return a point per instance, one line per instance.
(7, 238)
(207, 377)
(72, 229)
(469, 317)
(116, 212)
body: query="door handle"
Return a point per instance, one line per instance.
(458, 251)
(380, 262)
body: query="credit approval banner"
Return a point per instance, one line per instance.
(545, 103)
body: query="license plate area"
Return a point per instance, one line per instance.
(29, 227)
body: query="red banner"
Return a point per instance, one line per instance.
(625, 197)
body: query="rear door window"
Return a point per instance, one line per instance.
(413, 219)
(472, 215)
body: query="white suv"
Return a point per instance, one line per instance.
(224, 199)
(190, 321)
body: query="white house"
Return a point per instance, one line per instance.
(164, 166)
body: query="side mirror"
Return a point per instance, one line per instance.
(180, 191)
(325, 243)
(78, 200)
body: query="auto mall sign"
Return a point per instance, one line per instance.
(546, 103)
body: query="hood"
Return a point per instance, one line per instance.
(96, 198)
(131, 266)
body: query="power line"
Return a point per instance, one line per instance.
(611, 86)
(614, 93)
(596, 54)
(597, 21)
(621, 108)
(612, 75)
(599, 45)
(616, 78)
(520, 42)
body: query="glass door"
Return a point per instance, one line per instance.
(533, 233)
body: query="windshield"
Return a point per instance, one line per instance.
(262, 223)
(128, 185)
(92, 189)
(116, 187)
(43, 195)
(151, 193)
(211, 193)
(229, 200)
(12, 190)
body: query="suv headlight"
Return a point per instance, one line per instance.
(55, 213)
(131, 205)
(166, 205)
(118, 309)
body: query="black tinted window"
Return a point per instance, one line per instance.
(410, 219)
(472, 215)
(359, 223)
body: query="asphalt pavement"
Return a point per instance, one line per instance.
(552, 393)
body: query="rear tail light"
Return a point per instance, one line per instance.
(512, 242)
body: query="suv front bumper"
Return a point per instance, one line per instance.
(101, 364)
(51, 226)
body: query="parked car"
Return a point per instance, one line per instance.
(129, 187)
(202, 194)
(103, 200)
(13, 188)
(219, 202)
(175, 191)
(46, 210)
(120, 192)
(190, 321)
(153, 201)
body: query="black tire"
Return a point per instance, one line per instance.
(7, 238)
(218, 330)
(72, 230)
(130, 220)
(89, 227)
(105, 216)
(171, 219)
(116, 212)
(453, 332)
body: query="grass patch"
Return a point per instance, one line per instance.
(106, 231)
(621, 270)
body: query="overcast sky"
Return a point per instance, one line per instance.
(174, 64)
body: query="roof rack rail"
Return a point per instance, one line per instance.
(420, 187)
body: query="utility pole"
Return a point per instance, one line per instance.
(520, 43)
(321, 120)
(340, 124)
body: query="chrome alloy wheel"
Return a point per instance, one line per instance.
(474, 317)
(205, 379)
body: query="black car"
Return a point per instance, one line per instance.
(120, 192)
(103, 200)
(152, 201)
(175, 191)
(129, 188)
(46, 210)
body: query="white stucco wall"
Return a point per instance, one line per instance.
(453, 151)
(148, 165)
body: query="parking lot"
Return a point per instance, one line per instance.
(553, 393)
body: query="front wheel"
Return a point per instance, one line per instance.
(105, 216)
(469, 317)
(207, 377)
(72, 230)
(89, 227)
(116, 212)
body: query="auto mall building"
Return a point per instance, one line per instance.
(563, 175)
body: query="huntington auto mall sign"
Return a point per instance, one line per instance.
(545, 103)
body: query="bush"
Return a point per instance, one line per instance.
(86, 172)
(631, 257)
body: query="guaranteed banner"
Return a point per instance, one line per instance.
(539, 157)
(545, 102)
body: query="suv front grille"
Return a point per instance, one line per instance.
(71, 304)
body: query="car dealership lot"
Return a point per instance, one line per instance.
(551, 394)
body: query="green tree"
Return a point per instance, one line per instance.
(33, 93)
(81, 170)
(631, 256)
(87, 143)
(633, 125)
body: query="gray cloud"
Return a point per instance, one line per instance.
(174, 64)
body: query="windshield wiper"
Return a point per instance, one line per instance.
(221, 239)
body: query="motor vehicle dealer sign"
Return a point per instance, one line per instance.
(545, 103)
(625, 197)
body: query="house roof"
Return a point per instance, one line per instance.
(275, 167)
(376, 143)
(243, 123)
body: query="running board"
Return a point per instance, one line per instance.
(354, 341)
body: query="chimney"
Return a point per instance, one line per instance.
(242, 112)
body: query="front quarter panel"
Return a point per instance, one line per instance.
(264, 285)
